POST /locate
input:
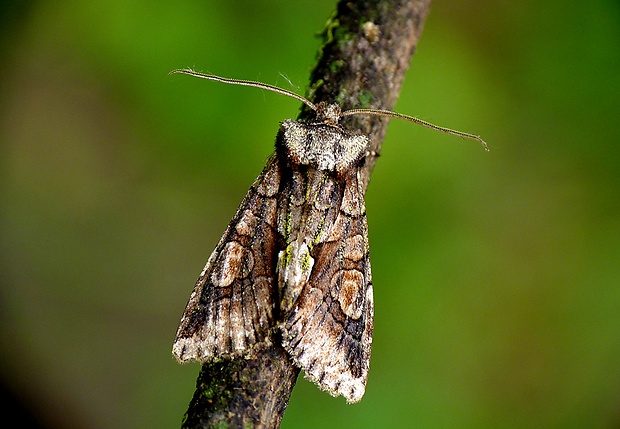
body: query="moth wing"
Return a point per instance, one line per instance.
(232, 305)
(328, 330)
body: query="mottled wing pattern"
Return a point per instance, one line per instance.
(233, 303)
(324, 274)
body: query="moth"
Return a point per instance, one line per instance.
(295, 257)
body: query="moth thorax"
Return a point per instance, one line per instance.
(325, 147)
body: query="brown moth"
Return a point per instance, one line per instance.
(295, 257)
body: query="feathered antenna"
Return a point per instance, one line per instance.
(377, 112)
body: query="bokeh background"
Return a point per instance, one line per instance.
(497, 275)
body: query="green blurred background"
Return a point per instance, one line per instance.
(497, 275)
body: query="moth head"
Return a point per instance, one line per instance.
(328, 113)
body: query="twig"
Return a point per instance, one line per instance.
(367, 50)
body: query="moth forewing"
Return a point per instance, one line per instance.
(326, 281)
(233, 303)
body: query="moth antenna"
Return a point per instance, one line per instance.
(415, 120)
(308, 103)
(245, 83)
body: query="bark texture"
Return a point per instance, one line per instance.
(367, 49)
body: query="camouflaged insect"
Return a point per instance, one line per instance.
(294, 258)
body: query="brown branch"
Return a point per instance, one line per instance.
(367, 50)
